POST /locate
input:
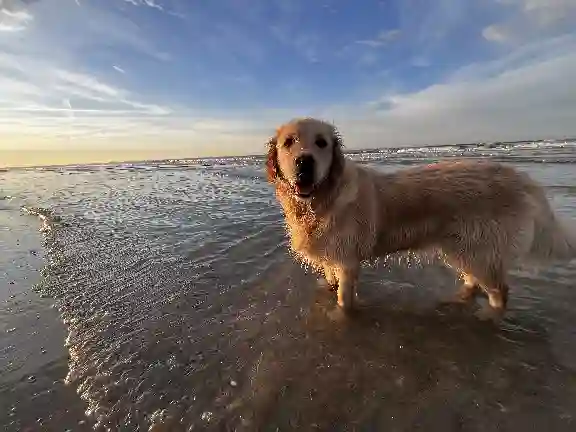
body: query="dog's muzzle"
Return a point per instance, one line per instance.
(305, 173)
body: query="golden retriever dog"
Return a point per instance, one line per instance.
(480, 217)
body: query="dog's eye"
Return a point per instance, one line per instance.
(320, 142)
(288, 141)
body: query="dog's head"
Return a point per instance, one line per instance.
(306, 155)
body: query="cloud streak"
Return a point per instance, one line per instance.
(531, 19)
(64, 80)
(13, 18)
(383, 38)
(507, 100)
(37, 83)
(149, 3)
(118, 69)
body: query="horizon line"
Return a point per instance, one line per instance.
(354, 151)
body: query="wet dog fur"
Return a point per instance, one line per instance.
(481, 217)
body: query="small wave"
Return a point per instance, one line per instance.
(46, 216)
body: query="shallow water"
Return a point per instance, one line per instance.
(185, 311)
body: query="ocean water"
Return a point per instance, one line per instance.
(161, 296)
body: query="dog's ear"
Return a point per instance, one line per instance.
(336, 167)
(272, 160)
(337, 155)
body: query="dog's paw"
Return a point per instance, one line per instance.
(454, 306)
(353, 305)
(455, 303)
(360, 302)
(346, 306)
(490, 314)
(337, 314)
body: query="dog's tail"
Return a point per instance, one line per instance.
(554, 237)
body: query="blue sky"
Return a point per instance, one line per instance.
(212, 77)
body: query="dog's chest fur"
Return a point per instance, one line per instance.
(330, 236)
(311, 238)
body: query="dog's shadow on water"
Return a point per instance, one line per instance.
(388, 368)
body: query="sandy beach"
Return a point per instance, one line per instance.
(162, 296)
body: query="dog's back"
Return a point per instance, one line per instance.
(465, 204)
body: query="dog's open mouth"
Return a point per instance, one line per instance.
(303, 191)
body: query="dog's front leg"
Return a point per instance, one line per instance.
(347, 276)
(330, 277)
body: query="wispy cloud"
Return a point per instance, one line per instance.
(70, 31)
(118, 69)
(422, 31)
(531, 19)
(35, 82)
(530, 54)
(546, 12)
(432, 25)
(13, 17)
(87, 83)
(41, 77)
(383, 38)
(306, 44)
(149, 3)
(126, 74)
(496, 33)
(521, 96)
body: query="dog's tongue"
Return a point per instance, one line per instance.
(300, 189)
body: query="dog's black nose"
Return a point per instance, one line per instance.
(305, 169)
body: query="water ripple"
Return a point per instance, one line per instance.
(185, 310)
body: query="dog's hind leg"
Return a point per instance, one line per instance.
(495, 286)
(492, 280)
(482, 272)
(468, 289)
(330, 277)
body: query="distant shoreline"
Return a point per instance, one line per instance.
(488, 144)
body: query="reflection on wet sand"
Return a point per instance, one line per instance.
(399, 370)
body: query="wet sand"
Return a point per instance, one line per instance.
(183, 310)
(33, 359)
